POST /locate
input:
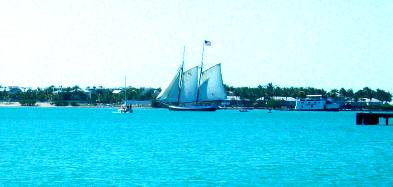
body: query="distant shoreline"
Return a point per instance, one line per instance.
(38, 104)
(49, 105)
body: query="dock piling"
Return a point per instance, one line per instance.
(372, 118)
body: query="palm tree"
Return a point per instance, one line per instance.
(383, 95)
(368, 92)
(269, 90)
(333, 93)
(302, 94)
(343, 92)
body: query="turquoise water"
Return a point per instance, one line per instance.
(85, 146)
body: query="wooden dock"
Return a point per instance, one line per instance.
(372, 118)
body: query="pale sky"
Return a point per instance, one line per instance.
(324, 44)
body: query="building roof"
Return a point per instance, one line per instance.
(233, 98)
(284, 98)
(367, 100)
(278, 98)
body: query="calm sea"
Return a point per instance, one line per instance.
(85, 146)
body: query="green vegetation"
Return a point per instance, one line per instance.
(260, 96)
(269, 91)
(27, 98)
(75, 96)
(253, 96)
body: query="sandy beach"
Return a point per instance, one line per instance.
(48, 105)
(9, 104)
(17, 104)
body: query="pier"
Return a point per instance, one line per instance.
(372, 118)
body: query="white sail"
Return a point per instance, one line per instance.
(189, 86)
(171, 93)
(212, 86)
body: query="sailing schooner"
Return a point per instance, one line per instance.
(190, 91)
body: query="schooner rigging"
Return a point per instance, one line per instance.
(195, 89)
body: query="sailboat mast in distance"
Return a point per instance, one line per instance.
(126, 107)
(125, 89)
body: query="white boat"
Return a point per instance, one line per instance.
(126, 107)
(194, 89)
(316, 103)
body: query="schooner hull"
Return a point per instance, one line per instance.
(193, 108)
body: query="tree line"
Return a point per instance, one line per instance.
(268, 91)
(98, 95)
(76, 96)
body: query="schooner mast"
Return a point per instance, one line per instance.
(181, 77)
(207, 43)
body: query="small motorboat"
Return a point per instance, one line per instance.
(125, 109)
